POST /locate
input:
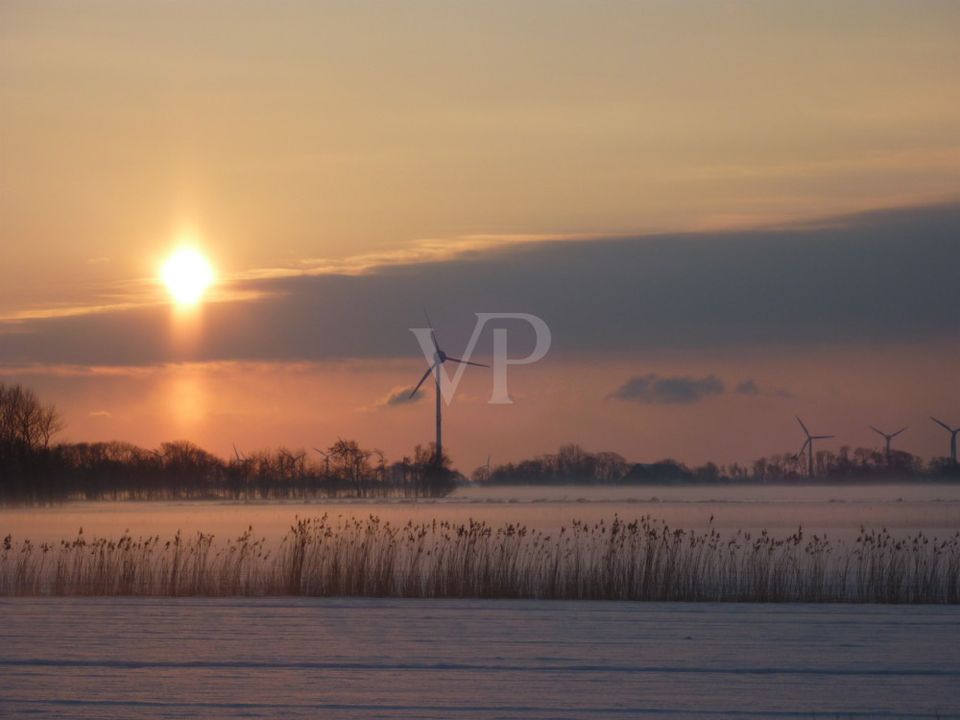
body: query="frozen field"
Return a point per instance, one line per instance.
(86, 658)
(841, 511)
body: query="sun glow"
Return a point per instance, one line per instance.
(187, 275)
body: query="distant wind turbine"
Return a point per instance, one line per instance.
(326, 461)
(887, 436)
(439, 358)
(953, 437)
(808, 446)
(486, 469)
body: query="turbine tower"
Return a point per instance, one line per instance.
(953, 437)
(887, 437)
(439, 358)
(808, 446)
(326, 461)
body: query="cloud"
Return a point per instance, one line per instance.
(399, 396)
(658, 390)
(881, 277)
(655, 389)
(751, 388)
(104, 414)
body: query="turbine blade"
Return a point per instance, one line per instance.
(821, 437)
(942, 424)
(433, 333)
(899, 431)
(806, 432)
(425, 376)
(466, 362)
(879, 432)
(802, 448)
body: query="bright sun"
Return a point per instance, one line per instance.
(187, 274)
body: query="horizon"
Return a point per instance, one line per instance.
(822, 455)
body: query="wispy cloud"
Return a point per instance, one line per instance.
(881, 277)
(424, 251)
(399, 396)
(152, 297)
(146, 292)
(657, 390)
(751, 388)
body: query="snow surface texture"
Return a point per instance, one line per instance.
(307, 658)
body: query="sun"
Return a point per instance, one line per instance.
(187, 275)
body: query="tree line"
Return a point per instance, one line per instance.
(35, 470)
(571, 464)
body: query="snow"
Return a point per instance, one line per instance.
(839, 511)
(338, 658)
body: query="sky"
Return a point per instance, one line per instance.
(727, 213)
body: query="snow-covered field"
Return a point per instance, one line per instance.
(839, 511)
(364, 658)
(304, 658)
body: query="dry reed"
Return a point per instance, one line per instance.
(640, 560)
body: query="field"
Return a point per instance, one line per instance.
(308, 658)
(839, 511)
(305, 657)
(827, 545)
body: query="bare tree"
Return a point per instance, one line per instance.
(26, 424)
(350, 461)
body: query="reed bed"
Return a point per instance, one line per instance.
(617, 560)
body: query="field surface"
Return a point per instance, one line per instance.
(839, 511)
(306, 658)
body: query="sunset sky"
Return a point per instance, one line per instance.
(728, 214)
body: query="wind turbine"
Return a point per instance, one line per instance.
(887, 436)
(326, 461)
(808, 446)
(486, 470)
(953, 437)
(439, 358)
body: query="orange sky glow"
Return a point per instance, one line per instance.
(341, 165)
